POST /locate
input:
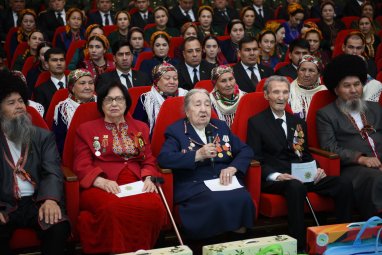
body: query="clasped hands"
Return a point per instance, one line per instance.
(319, 175)
(372, 162)
(113, 187)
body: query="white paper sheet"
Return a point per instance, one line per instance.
(305, 172)
(131, 189)
(214, 184)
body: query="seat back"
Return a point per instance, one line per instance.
(59, 95)
(204, 84)
(250, 104)
(319, 100)
(36, 118)
(142, 56)
(72, 49)
(85, 112)
(109, 29)
(7, 45)
(175, 42)
(150, 25)
(279, 65)
(379, 76)
(57, 33)
(339, 41)
(28, 64)
(314, 20)
(135, 93)
(170, 112)
(348, 20)
(20, 50)
(378, 55)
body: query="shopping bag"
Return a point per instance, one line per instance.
(359, 246)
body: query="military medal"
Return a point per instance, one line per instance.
(105, 143)
(192, 144)
(97, 146)
(225, 138)
(220, 155)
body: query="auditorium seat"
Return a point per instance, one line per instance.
(204, 84)
(135, 93)
(59, 95)
(28, 64)
(20, 50)
(142, 56)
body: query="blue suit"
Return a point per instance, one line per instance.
(217, 212)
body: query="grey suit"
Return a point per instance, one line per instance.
(337, 134)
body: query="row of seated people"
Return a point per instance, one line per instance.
(282, 33)
(115, 150)
(216, 19)
(247, 79)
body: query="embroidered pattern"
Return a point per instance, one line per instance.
(298, 141)
(123, 145)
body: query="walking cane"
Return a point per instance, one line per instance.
(311, 209)
(158, 181)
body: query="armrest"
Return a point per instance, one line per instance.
(165, 171)
(69, 175)
(328, 161)
(253, 183)
(323, 153)
(72, 198)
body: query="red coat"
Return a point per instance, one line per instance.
(88, 166)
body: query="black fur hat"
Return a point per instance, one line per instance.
(342, 66)
(10, 83)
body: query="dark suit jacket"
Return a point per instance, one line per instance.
(352, 8)
(139, 79)
(177, 154)
(288, 70)
(267, 15)
(219, 19)
(95, 18)
(7, 23)
(43, 164)
(177, 19)
(271, 148)
(43, 94)
(244, 81)
(138, 21)
(185, 81)
(48, 23)
(338, 135)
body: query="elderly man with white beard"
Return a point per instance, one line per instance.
(352, 128)
(31, 181)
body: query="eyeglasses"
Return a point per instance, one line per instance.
(118, 100)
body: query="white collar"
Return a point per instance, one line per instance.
(103, 13)
(56, 81)
(130, 73)
(191, 68)
(277, 117)
(246, 67)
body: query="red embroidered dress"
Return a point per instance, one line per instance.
(108, 224)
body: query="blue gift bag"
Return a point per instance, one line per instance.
(361, 247)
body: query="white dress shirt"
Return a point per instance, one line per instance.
(190, 71)
(108, 17)
(201, 133)
(55, 81)
(273, 176)
(123, 80)
(255, 70)
(190, 13)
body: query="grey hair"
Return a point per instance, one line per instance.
(274, 78)
(187, 98)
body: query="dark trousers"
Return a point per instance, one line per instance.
(53, 239)
(295, 192)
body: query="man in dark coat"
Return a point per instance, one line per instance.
(193, 68)
(297, 49)
(143, 16)
(48, 21)
(123, 57)
(31, 191)
(104, 16)
(55, 57)
(279, 139)
(248, 72)
(182, 13)
(352, 128)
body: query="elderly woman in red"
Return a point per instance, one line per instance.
(112, 151)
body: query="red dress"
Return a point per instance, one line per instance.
(108, 224)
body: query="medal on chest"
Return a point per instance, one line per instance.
(96, 146)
